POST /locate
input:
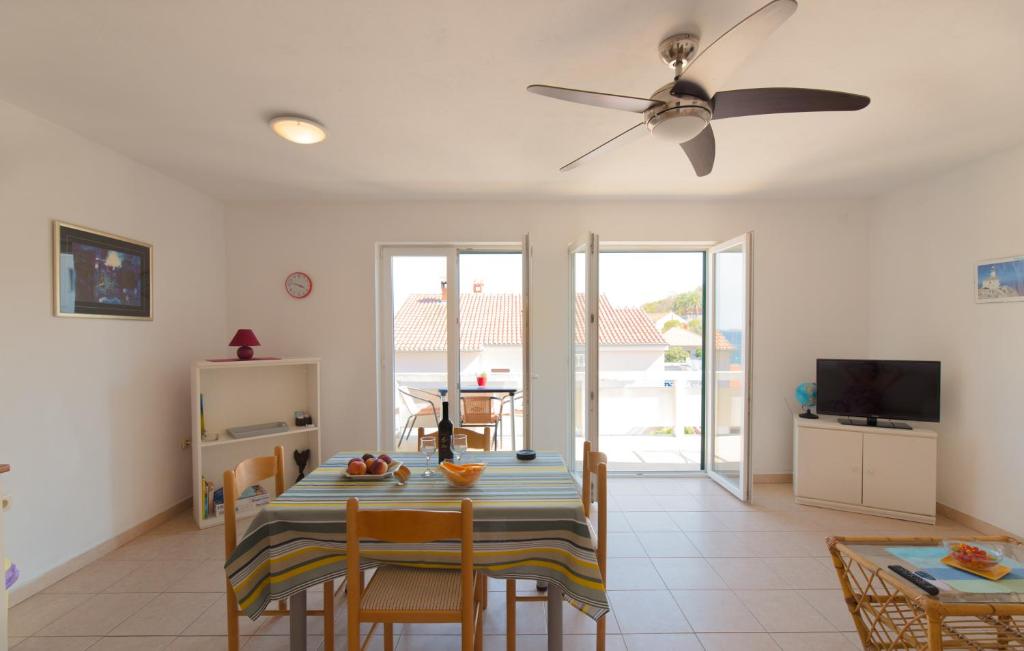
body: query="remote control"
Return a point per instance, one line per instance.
(915, 579)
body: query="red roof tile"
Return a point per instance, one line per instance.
(496, 320)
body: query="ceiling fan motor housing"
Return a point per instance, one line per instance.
(677, 119)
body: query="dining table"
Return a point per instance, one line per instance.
(528, 523)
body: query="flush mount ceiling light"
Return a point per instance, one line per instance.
(297, 129)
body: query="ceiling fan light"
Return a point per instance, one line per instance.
(679, 124)
(297, 129)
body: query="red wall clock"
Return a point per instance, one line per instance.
(298, 284)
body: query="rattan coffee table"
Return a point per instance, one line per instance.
(892, 613)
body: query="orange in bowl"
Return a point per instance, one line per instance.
(464, 475)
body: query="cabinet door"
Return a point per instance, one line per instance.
(899, 473)
(829, 465)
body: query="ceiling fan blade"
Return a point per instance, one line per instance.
(603, 100)
(629, 135)
(701, 151)
(762, 101)
(713, 65)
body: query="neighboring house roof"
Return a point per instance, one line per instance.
(496, 320)
(683, 337)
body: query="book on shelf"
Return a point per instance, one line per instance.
(251, 499)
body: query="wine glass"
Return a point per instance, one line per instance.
(428, 447)
(460, 443)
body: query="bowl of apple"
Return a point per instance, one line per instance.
(371, 468)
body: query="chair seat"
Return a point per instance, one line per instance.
(394, 588)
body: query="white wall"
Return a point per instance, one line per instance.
(925, 241)
(93, 411)
(809, 296)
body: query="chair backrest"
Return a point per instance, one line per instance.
(475, 440)
(481, 407)
(595, 466)
(423, 395)
(407, 526)
(249, 472)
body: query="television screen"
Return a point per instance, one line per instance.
(881, 388)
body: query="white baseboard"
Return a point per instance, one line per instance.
(23, 591)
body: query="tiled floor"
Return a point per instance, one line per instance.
(689, 568)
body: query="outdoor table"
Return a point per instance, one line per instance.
(528, 524)
(476, 388)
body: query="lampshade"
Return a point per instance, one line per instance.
(244, 337)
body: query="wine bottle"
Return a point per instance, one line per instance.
(444, 436)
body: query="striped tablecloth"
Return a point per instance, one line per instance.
(528, 524)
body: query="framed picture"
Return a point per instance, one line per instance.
(100, 275)
(999, 281)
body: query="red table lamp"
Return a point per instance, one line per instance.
(246, 339)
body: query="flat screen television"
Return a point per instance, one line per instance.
(875, 388)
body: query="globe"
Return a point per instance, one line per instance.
(807, 394)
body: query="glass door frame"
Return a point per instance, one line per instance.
(589, 245)
(634, 247)
(384, 314)
(742, 489)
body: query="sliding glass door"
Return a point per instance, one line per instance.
(583, 343)
(728, 365)
(453, 327)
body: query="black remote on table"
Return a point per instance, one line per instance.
(915, 579)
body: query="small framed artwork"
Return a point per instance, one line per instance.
(100, 275)
(999, 281)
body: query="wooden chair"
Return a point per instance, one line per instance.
(474, 439)
(249, 472)
(483, 409)
(396, 594)
(595, 464)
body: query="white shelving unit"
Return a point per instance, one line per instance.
(241, 393)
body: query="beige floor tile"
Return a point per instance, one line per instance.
(658, 487)
(280, 643)
(213, 621)
(650, 611)
(696, 521)
(688, 503)
(95, 577)
(720, 544)
(98, 615)
(205, 643)
(668, 544)
(14, 641)
(589, 642)
(832, 606)
(663, 642)
(132, 643)
(738, 642)
(747, 573)
(208, 576)
(168, 614)
(36, 612)
(576, 623)
(813, 642)
(804, 573)
(651, 521)
(755, 521)
(638, 503)
(57, 643)
(716, 611)
(143, 548)
(779, 544)
(688, 574)
(376, 644)
(784, 611)
(633, 574)
(618, 487)
(154, 576)
(625, 545)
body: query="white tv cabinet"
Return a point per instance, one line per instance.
(875, 470)
(239, 393)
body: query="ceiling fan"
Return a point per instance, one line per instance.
(681, 111)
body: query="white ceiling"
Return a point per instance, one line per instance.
(427, 98)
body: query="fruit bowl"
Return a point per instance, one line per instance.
(462, 476)
(371, 468)
(973, 554)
